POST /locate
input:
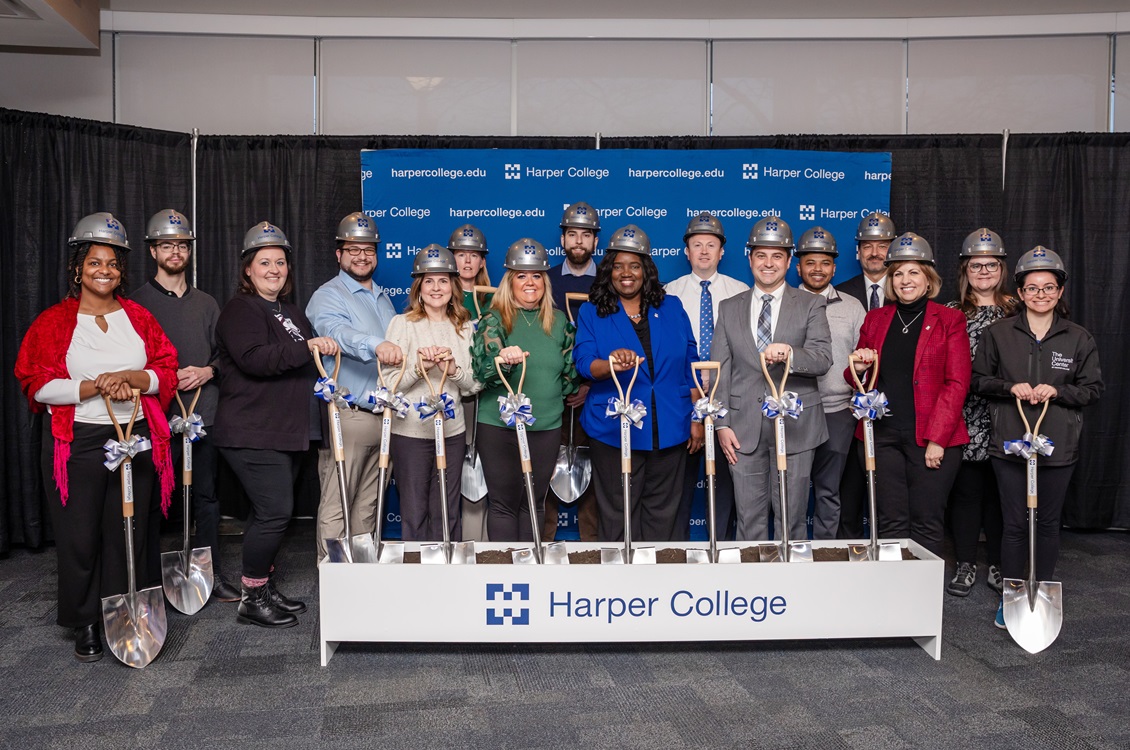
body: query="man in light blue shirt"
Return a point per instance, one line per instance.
(355, 313)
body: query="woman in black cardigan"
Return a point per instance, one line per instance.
(267, 413)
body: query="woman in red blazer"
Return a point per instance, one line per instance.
(925, 367)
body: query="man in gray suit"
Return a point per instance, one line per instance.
(780, 321)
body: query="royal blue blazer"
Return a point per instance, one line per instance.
(673, 349)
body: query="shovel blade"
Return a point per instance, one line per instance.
(135, 625)
(571, 477)
(432, 554)
(611, 556)
(890, 551)
(524, 556)
(187, 578)
(463, 553)
(364, 548)
(800, 551)
(337, 551)
(698, 556)
(730, 556)
(391, 553)
(474, 484)
(769, 553)
(1033, 618)
(643, 556)
(859, 552)
(556, 553)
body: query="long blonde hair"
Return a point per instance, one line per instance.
(506, 305)
(456, 313)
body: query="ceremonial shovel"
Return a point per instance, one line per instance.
(709, 409)
(869, 405)
(135, 622)
(387, 552)
(474, 485)
(643, 555)
(347, 548)
(452, 553)
(788, 551)
(1033, 610)
(186, 574)
(573, 471)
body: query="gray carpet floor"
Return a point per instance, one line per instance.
(219, 684)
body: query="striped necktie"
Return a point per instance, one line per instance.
(764, 323)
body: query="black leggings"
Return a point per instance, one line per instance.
(1052, 483)
(975, 504)
(508, 517)
(268, 479)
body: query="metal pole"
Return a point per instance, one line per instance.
(192, 198)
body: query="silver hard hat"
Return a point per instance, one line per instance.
(875, 227)
(629, 239)
(101, 228)
(909, 246)
(434, 259)
(357, 227)
(263, 234)
(817, 240)
(168, 225)
(1040, 258)
(468, 237)
(526, 255)
(771, 231)
(705, 223)
(981, 244)
(581, 216)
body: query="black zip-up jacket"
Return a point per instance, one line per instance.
(1066, 358)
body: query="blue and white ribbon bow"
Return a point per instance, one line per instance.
(789, 403)
(330, 392)
(119, 450)
(193, 427)
(516, 408)
(704, 408)
(635, 411)
(383, 398)
(432, 404)
(871, 405)
(1027, 445)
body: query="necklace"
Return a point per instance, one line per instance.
(528, 318)
(906, 326)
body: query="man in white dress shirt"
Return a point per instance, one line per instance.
(701, 291)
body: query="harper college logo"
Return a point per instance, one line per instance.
(807, 212)
(507, 614)
(513, 171)
(392, 250)
(749, 171)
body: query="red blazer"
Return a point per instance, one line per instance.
(942, 368)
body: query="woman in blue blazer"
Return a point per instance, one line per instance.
(629, 318)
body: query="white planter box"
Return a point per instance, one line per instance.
(633, 603)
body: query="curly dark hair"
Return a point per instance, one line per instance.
(606, 299)
(74, 269)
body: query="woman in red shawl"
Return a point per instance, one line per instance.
(96, 343)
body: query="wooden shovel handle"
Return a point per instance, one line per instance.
(399, 377)
(625, 393)
(428, 379)
(498, 363)
(192, 407)
(1024, 417)
(127, 489)
(852, 359)
(321, 369)
(476, 291)
(784, 376)
(1034, 431)
(709, 366)
(574, 297)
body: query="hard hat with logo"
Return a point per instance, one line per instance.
(705, 223)
(817, 240)
(772, 231)
(101, 228)
(526, 255)
(909, 246)
(984, 243)
(468, 237)
(434, 259)
(168, 225)
(357, 227)
(263, 234)
(581, 216)
(1040, 258)
(875, 227)
(629, 239)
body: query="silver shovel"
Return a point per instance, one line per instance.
(186, 574)
(643, 555)
(788, 550)
(387, 552)
(573, 470)
(707, 408)
(135, 622)
(875, 404)
(347, 548)
(473, 483)
(1033, 610)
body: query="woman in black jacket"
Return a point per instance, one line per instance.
(1037, 356)
(267, 414)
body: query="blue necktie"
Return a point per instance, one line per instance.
(705, 321)
(764, 323)
(874, 303)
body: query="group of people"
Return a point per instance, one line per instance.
(951, 377)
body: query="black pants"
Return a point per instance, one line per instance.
(1051, 488)
(975, 504)
(508, 518)
(657, 486)
(827, 472)
(89, 531)
(417, 480)
(268, 479)
(725, 517)
(853, 494)
(911, 499)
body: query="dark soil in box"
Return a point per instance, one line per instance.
(494, 557)
(671, 555)
(587, 557)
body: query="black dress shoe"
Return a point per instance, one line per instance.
(88, 644)
(222, 591)
(285, 603)
(256, 608)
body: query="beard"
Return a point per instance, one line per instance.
(578, 256)
(174, 270)
(360, 277)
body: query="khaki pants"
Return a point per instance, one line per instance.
(361, 437)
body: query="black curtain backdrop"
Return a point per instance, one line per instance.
(57, 169)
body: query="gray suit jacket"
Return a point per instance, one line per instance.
(802, 324)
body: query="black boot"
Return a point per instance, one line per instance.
(256, 608)
(88, 644)
(284, 603)
(222, 591)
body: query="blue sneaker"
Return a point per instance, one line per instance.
(999, 621)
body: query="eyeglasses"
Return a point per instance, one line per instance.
(991, 266)
(168, 247)
(355, 251)
(1047, 290)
